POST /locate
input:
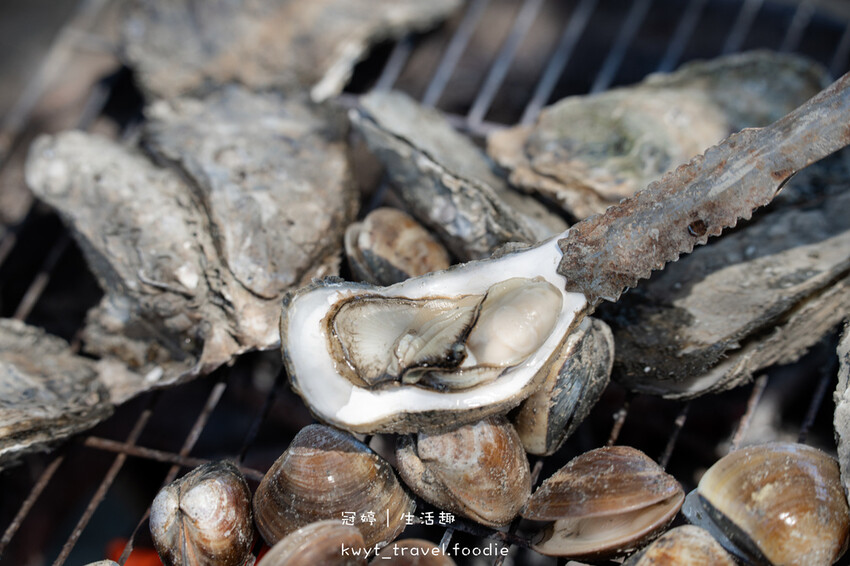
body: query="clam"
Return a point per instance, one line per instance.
(412, 552)
(776, 503)
(479, 470)
(686, 545)
(329, 543)
(204, 518)
(390, 246)
(603, 503)
(327, 474)
(571, 389)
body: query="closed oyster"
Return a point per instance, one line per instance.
(325, 543)
(323, 475)
(479, 471)
(389, 246)
(686, 546)
(774, 503)
(603, 503)
(572, 387)
(182, 47)
(445, 181)
(412, 552)
(204, 518)
(588, 152)
(753, 298)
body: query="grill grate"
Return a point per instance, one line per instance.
(65, 507)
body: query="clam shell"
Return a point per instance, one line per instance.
(323, 542)
(390, 246)
(204, 518)
(412, 552)
(687, 546)
(573, 385)
(479, 471)
(604, 503)
(322, 475)
(779, 503)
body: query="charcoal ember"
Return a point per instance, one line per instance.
(759, 296)
(589, 152)
(182, 46)
(47, 393)
(275, 186)
(174, 304)
(842, 407)
(446, 182)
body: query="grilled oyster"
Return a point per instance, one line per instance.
(433, 352)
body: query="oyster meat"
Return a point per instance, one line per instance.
(189, 264)
(588, 152)
(756, 297)
(181, 46)
(446, 182)
(46, 392)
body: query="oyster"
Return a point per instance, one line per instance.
(325, 474)
(320, 543)
(478, 471)
(576, 381)
(204, 518)
(271, 178)
(46, 392)
(181, 47)
(589, 152)
(759, 296)
(389, 246)
(774, 503)
(603, 503)
(842, 407)
(445, 181)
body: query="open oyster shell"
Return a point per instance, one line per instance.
(345, 395)
(181, 46)
(588, 152)
(446, 182)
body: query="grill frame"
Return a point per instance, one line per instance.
(125, 442)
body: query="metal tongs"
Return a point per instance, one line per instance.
(608, 253)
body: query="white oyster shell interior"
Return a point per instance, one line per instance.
(319, 376)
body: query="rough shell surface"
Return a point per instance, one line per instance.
(323, 474)
(389, 246)
(271, 174)
(319, 543)
(572, 387)
(777, 503)
(686, 546)
(412, 552)
(588, 152)
(603, 503)
(479, 471)
(446, 181)
(842, 407)
(182, 47)
(753, 298)
(46, 392)
(204, 518)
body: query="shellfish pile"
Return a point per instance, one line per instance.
(249, 203)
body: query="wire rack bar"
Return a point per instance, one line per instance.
(558, 61)
(744, 423)
(499, 68)
(683, 33)
(678, 424)
(742, 26)
(451, 57)
(395, 64)
(802, 16)
(840, 58)
(28, 503)
(628, 30)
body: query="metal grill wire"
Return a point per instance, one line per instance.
(99, 486)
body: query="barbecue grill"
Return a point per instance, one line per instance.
(498, 63)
